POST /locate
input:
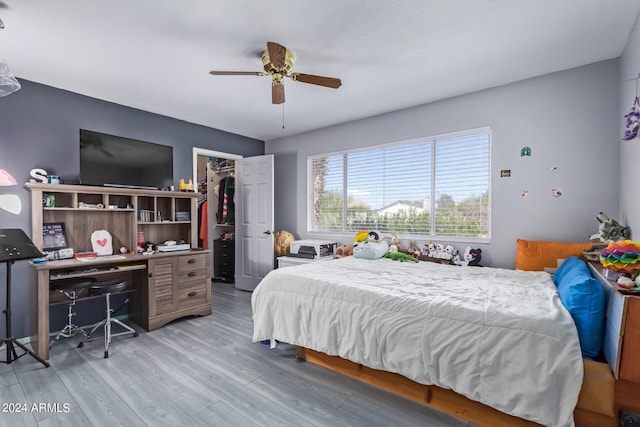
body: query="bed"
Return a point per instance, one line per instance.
(496, 336)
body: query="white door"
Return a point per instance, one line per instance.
(254, 220)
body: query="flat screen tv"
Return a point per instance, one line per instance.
(115, 161)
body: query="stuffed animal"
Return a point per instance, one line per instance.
(394, 241)
(476, 256)
(456, 256)
(399, 256)
(609, 230)
(370, 250)
(448, 252)
(471, 257)
(361, 236)
(425, 250)
(372, 236)
(432, 250)
(343, 251)
(439, 251)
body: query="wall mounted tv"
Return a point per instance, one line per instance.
(122, 162)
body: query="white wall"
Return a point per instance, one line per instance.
(629, 150)
(569, 119)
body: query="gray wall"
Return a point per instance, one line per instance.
(629, 150)
(39, 127)
(569, 120)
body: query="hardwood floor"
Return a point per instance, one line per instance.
(201, 371)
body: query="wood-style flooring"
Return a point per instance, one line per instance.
(200, 371)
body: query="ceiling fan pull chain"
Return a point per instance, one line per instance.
(283, 116)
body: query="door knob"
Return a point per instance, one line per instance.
(266, 232)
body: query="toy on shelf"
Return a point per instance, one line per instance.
(183, 186)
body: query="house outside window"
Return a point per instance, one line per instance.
(436, 188)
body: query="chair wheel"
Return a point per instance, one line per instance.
(81, 344)
(135, 334)
(106, 354)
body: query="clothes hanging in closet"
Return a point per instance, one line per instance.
(203, 225)
(226, 205)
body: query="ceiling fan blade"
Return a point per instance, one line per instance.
(237, 73)
(277, 54)
(277, 93)
(317, 80)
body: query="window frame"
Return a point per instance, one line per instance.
(427, 139)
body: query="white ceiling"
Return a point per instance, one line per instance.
(155, 55)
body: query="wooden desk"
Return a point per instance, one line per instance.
(166, 286)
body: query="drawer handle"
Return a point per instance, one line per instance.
(192, 273)
(192, 261)
(192, 294)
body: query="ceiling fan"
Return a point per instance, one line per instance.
(277, 62)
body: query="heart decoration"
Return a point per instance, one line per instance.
(101, 242)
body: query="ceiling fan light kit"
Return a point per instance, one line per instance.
(277, 62)
(8, 82)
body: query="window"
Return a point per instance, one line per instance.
(435, 187)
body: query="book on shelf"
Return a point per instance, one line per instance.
(146, 215)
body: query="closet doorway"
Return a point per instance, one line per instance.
(238, 195)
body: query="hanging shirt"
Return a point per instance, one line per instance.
(204, 225)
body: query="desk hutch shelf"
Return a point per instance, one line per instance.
(160, 215)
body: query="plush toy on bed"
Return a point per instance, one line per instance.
(471, 257)
(367, 245)
(370, 250)
(394, 243)
(343, 251)
(400, 256)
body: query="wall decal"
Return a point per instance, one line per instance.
(525, 151)
(557, 191)
(6, 179)
(10, 203)
(505, 173)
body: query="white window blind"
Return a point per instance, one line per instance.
(433, 186)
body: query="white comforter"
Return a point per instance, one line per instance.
(500, 337)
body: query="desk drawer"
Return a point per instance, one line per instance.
(191, 262)
(192, 293)
(192, 274)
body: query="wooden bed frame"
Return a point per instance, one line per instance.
(437, 397)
